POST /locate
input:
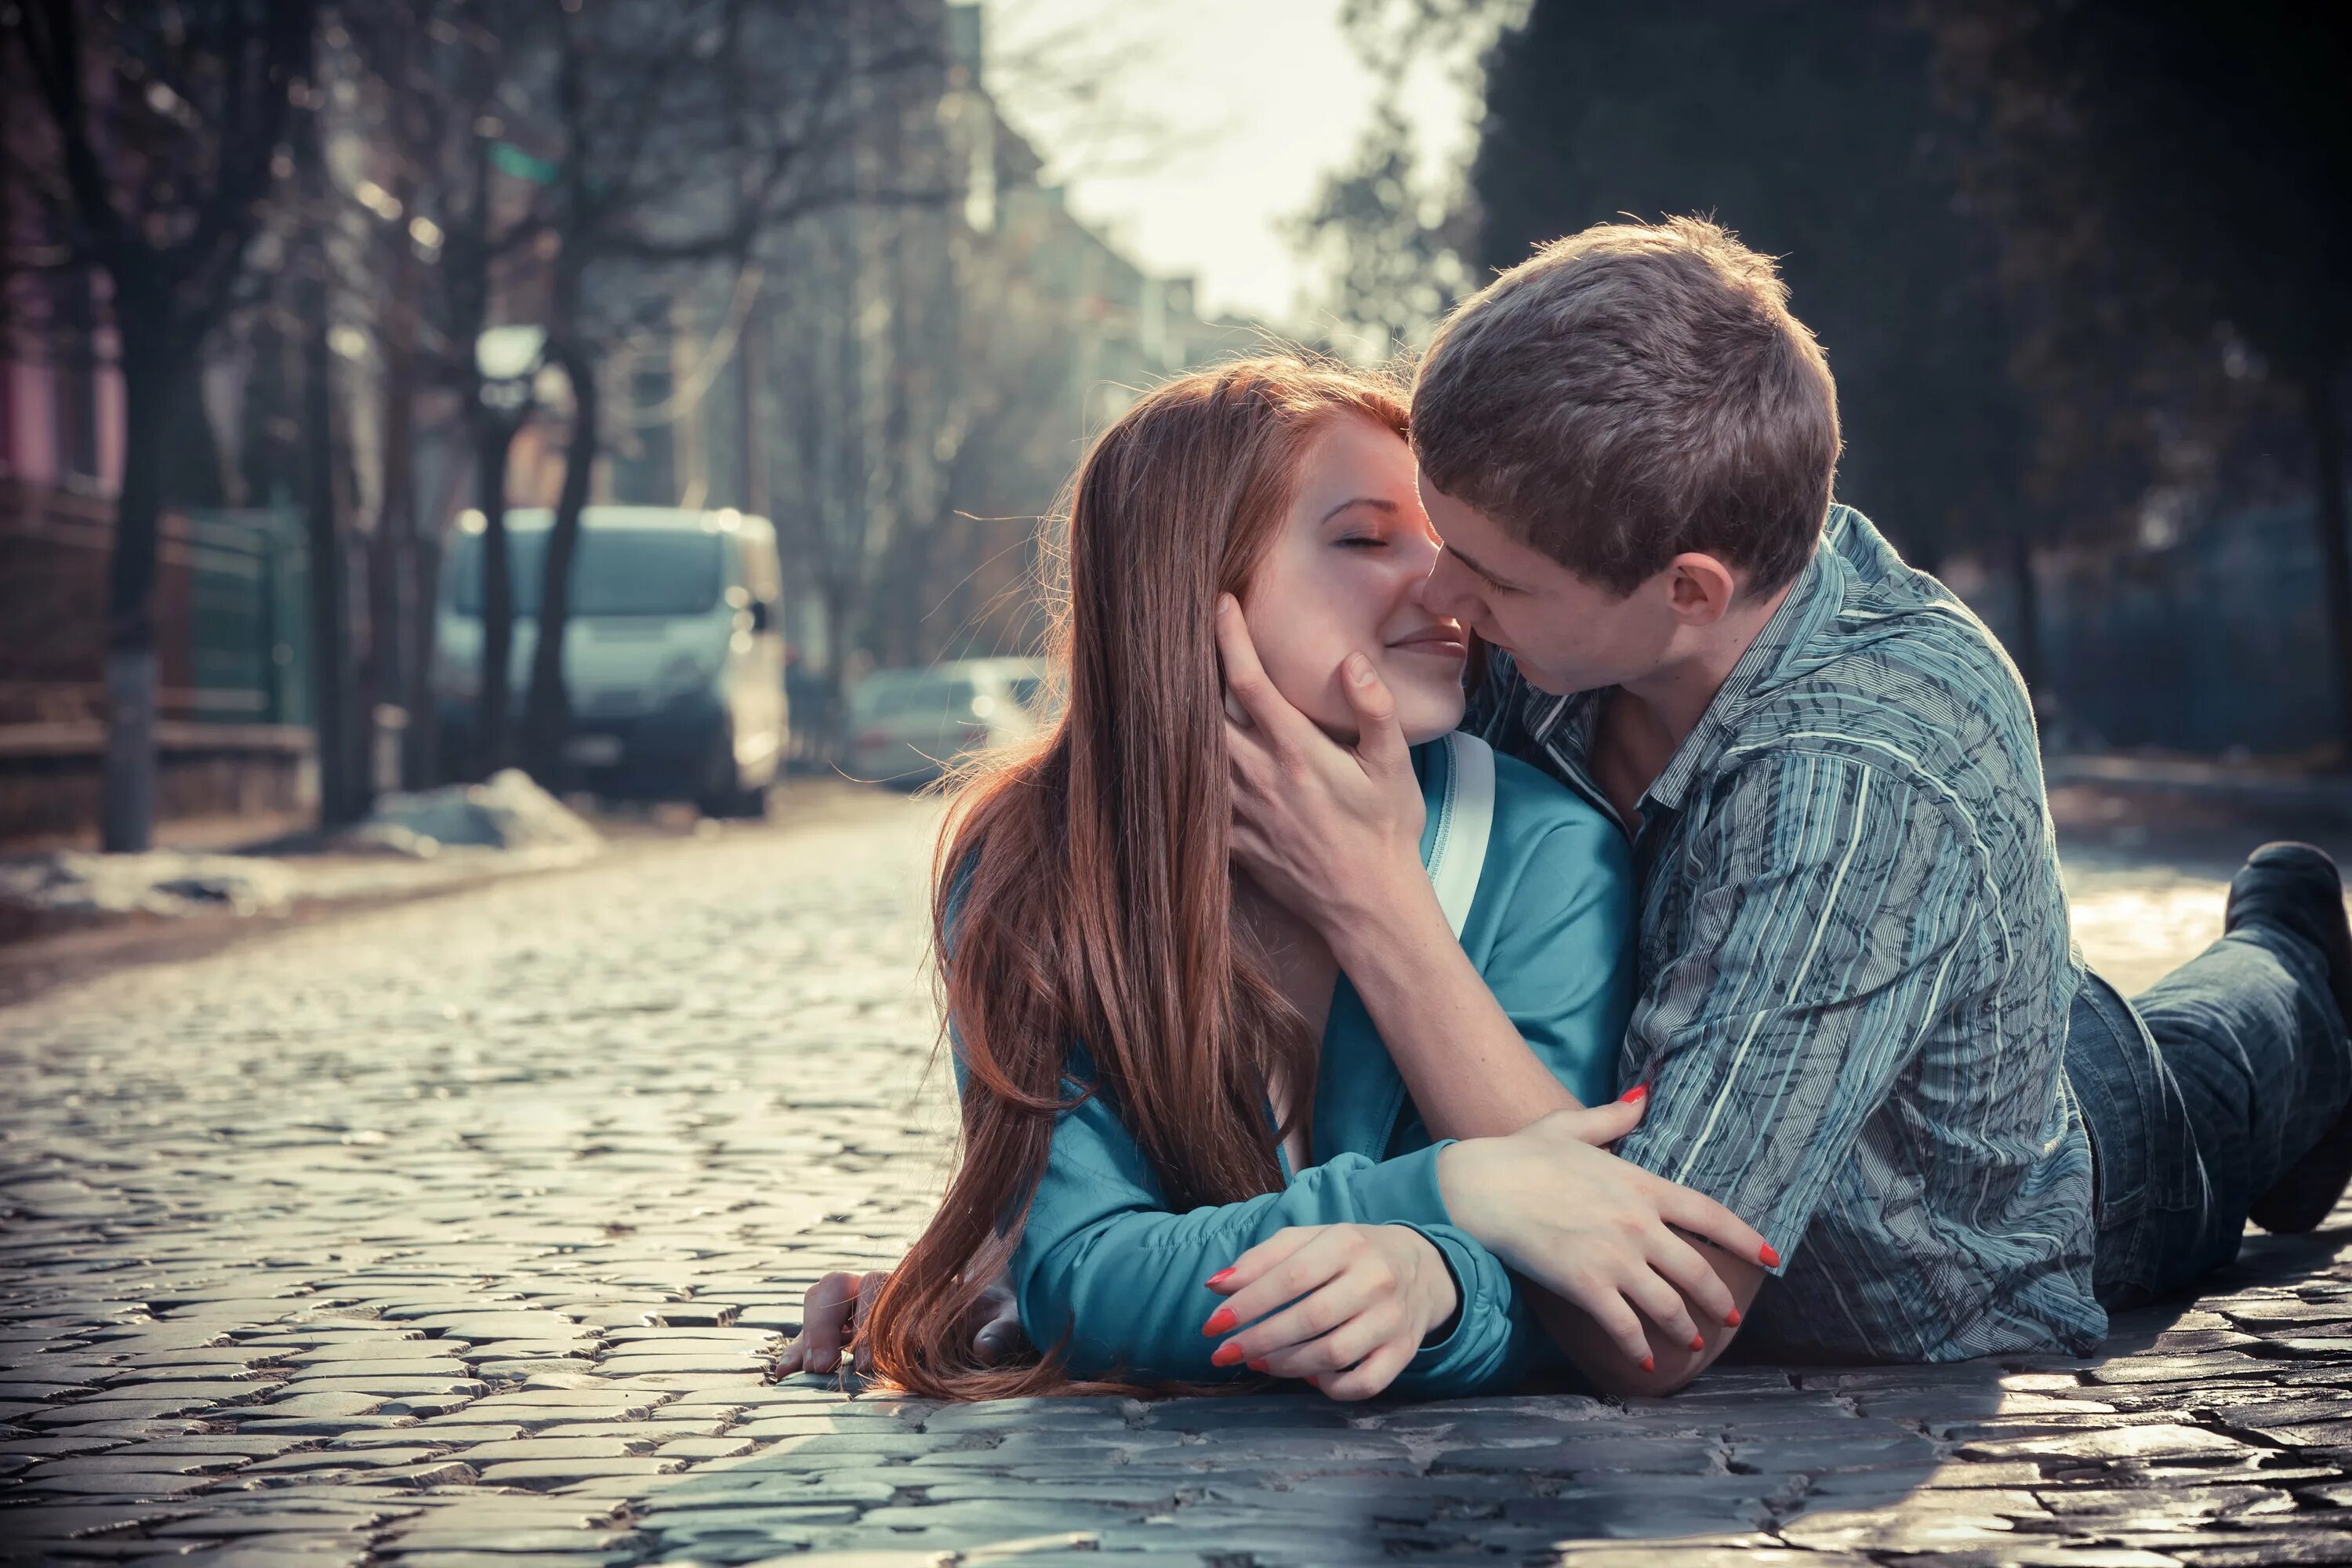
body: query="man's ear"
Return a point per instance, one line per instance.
(1700, 588)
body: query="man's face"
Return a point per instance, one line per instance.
(1566, 633)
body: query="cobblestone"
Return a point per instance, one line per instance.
(458, 1233)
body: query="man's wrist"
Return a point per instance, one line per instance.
(1465, 1185)
(1382, 919)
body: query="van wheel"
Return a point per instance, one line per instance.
(724, 795)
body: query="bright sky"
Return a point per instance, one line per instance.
(1243, 106)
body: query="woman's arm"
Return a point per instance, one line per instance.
(1107, 1273)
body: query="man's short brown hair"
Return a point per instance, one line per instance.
(1631, 392)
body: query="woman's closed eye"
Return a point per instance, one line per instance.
(1361, 541)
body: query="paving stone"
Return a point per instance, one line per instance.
(405, 1373)
(394, 1435)
(704, 1447)
(2161, 1442)
(120, 1483)
(544, 1473)
(561, 1448)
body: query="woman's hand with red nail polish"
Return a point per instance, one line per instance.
(1345, 1306)
(1641, 1260)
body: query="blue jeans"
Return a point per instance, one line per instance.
(2197, 1096)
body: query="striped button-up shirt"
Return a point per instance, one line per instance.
(1856, 970)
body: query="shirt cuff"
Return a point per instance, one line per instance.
(1471, 1305)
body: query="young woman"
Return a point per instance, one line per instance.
(1161, 1069)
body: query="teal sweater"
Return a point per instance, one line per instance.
(1108, 1272)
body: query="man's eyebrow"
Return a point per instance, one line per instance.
(1380, 503)
(1490, 576)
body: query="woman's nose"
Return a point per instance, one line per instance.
(1416, 554)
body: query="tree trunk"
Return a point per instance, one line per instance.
(547, 714)
(2324, 414)
(149, 366)
(495, 435)
(340, 793)
(421, 763)
(2027, 648)
(838, 643)
(752, 457)
(395, 654)
(330, 683)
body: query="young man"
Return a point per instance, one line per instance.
(1862, 1023)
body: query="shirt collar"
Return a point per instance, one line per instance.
(1566, 723)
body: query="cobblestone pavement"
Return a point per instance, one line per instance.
(455, 1234)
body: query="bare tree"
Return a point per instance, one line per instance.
(151, 143)
(683, 135)
(404, 59)
(1393, 234)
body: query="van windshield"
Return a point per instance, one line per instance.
(617, 572)
(893, 693)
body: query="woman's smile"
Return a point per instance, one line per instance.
(1440, 639)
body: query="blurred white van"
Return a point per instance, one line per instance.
(673, 654)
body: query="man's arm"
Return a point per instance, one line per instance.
(1841, 914)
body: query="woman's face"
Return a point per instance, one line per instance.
(1343, 576)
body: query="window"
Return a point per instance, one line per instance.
(617, 572)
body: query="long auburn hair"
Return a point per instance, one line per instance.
(1088, 875)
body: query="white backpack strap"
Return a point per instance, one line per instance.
(1465, 817)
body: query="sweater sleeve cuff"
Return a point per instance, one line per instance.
(1483, 1307)
(1403, 1190)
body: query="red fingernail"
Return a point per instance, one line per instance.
(1220, 1321)
(1638, 1091)
(1227, 1354)
(1698, 1342)
(1315, 1380)
(1731, 1319)
(1257, 1364)
(1770, 1257)
(1649, 1363)
(1219, 1278)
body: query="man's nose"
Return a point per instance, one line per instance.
(1450, 590)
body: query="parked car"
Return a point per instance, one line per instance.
(906, 727)
(672, 655)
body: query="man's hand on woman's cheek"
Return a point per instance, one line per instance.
(1323, 828)
(1602, 1234)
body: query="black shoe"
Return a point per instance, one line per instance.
(2296, 888)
